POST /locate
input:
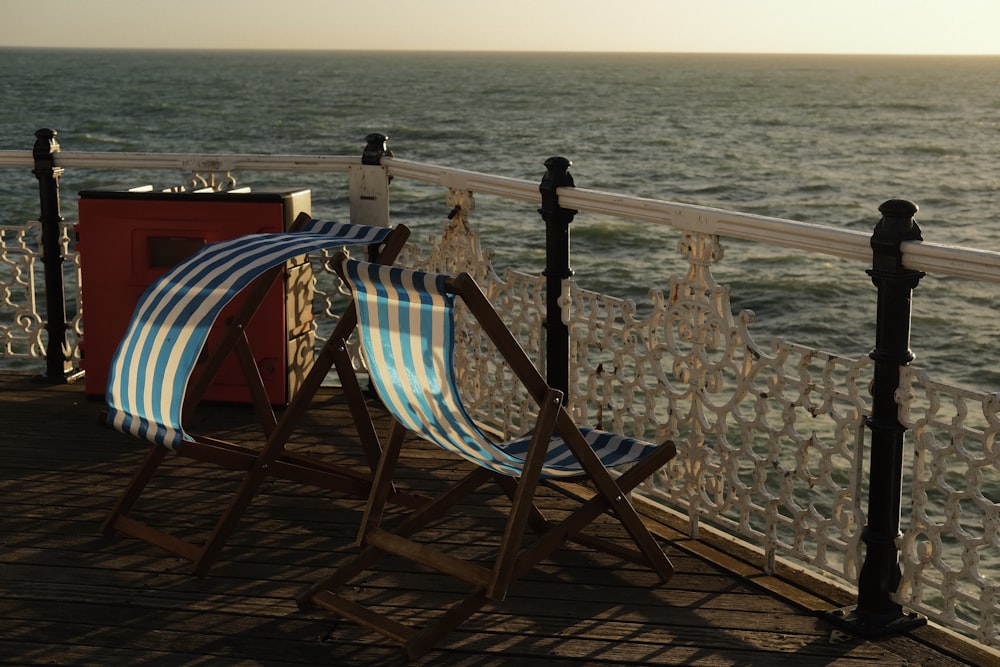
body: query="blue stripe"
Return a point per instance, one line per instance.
(418, 355)
(392, 312)
(449, 425)
(158, 312)
(175, 314)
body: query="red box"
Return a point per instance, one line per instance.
(129, 238)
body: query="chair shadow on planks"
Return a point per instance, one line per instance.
(407, 328)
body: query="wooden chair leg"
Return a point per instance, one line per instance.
(457, 614)
(355, 400)
(154, 457)
(536, 519)
(523, 502)
(227, 522)
(407, 320)
(273, 458)
(382, 482)
(425, 514)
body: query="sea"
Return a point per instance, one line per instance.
(816, 138)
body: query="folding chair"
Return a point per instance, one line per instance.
(408, 334)
(149, 396)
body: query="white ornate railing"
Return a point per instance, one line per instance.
(21, 292)
(771, 438)
(952, 526)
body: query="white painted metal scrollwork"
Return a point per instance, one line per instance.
(458, 248)
(22, 322)
(769, 442)
(496, 399)
(954, 511)
(21, 325)
(73, 282)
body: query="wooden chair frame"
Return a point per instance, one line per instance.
(514, 556)
(272, 459)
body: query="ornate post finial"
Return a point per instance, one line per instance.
(375, 149)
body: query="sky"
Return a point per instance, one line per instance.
(697, 26)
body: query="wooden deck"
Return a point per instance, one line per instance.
(69, 596)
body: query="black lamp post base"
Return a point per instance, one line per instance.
(874, 626)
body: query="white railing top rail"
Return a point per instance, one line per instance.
(187, 161)
(935, 258)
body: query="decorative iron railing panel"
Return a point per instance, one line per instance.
(21, 325)
(770, 442)
(953, 517)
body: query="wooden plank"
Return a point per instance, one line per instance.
(70, 596)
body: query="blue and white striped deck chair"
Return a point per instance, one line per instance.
(148, 393)
(406, 324)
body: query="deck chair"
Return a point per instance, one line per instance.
(407, 331)
(151, 392)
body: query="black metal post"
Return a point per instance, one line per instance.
(876, 614)
(58, 361)
(557, 269)
(375, 148)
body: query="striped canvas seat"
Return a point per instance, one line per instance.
(154, 383)
(406, 324)
(150, 371)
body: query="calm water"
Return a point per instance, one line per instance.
(814, 138)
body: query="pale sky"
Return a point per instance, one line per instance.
(733, 26)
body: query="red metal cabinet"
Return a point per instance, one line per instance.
(127, 239)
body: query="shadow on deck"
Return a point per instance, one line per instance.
(69, 596)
